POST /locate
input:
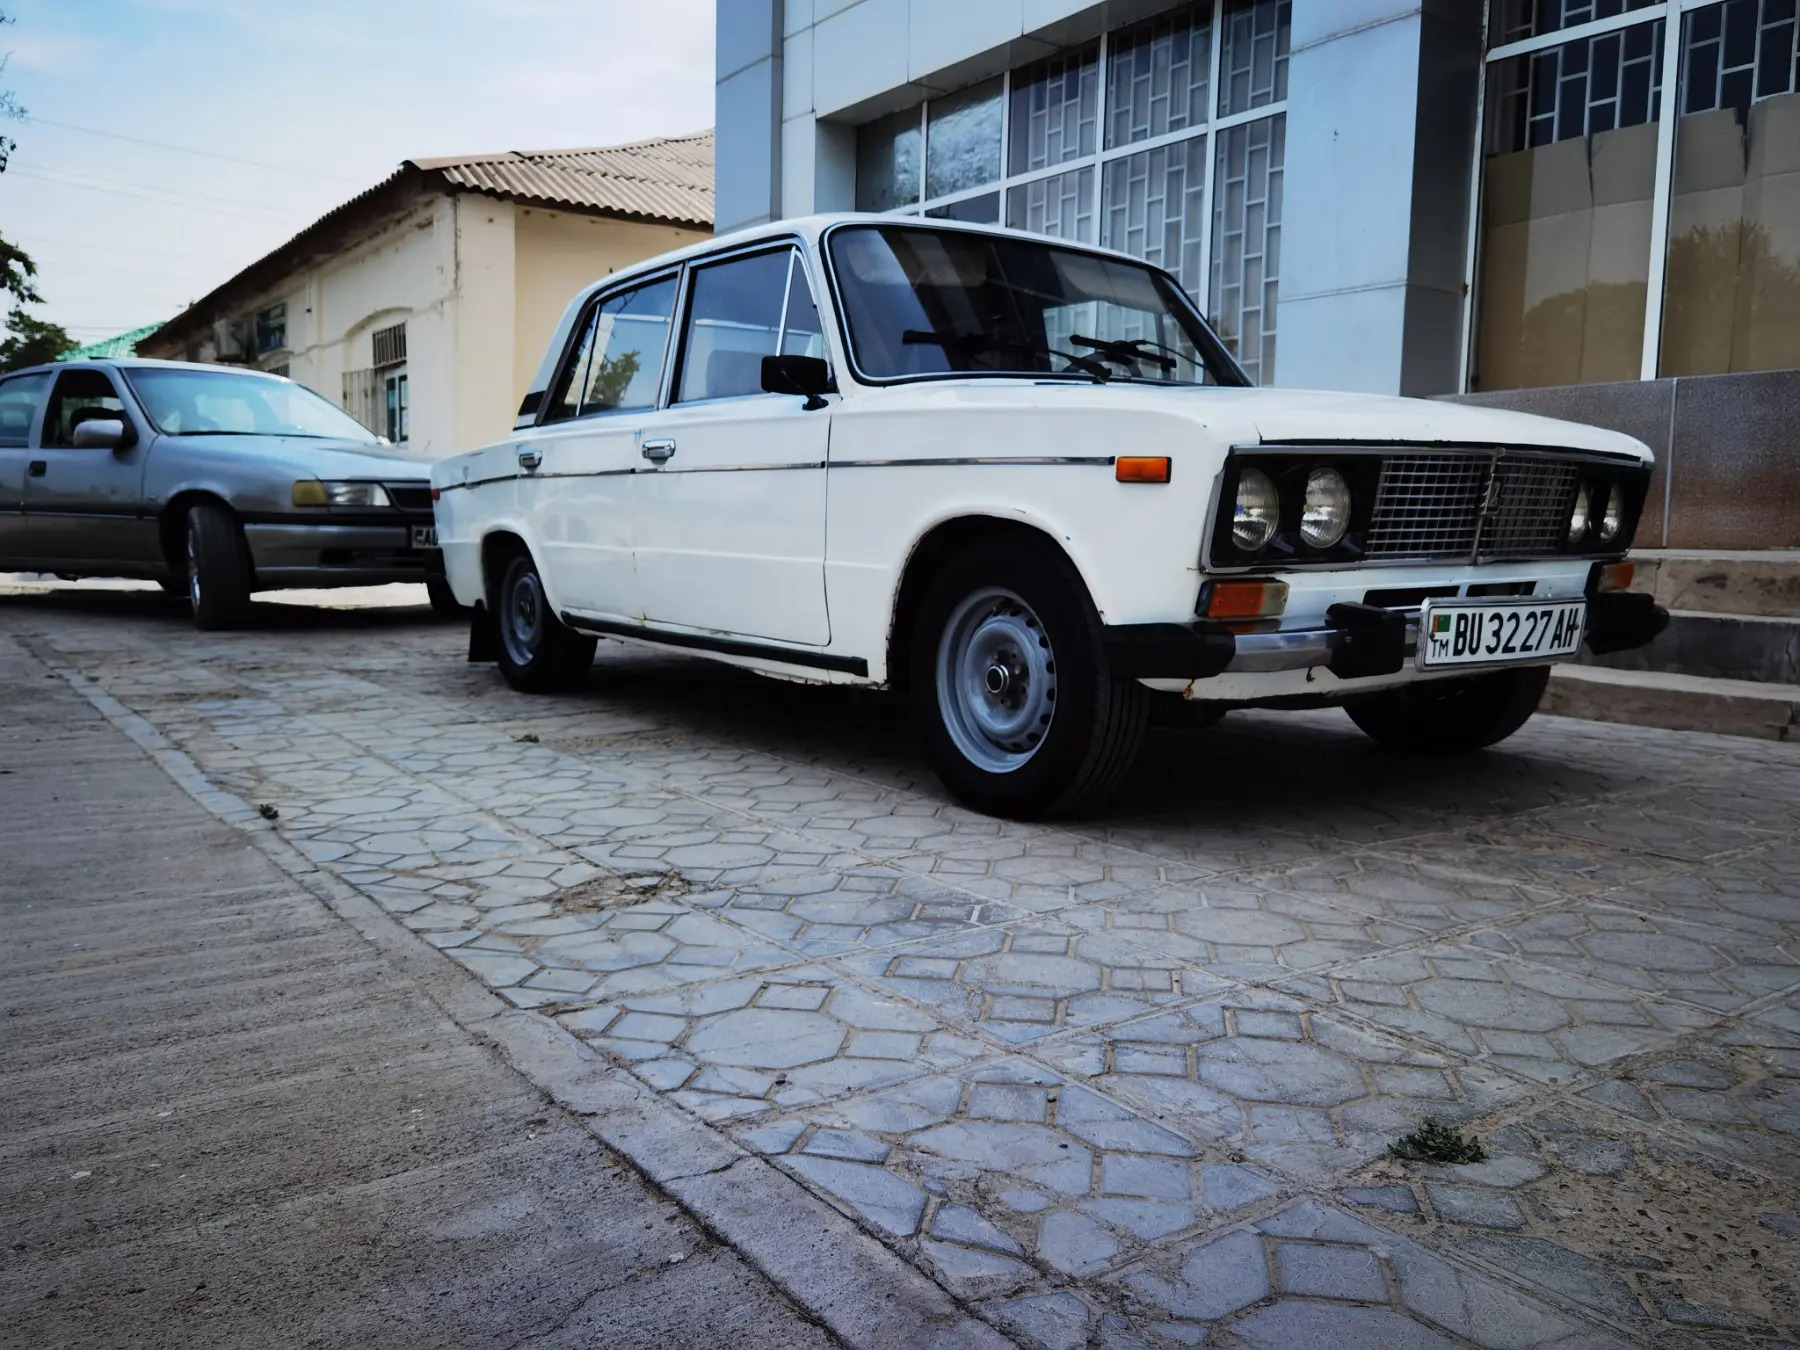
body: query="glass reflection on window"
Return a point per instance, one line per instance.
(962, 143)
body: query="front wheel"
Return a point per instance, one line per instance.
(218, 567)
(1449, 717)
(1020, 713)
(539, 654)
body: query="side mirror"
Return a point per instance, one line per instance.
(102, 433)
(807, 375)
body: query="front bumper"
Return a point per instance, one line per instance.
(322, 554)
(1357, 641)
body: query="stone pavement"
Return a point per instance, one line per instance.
(1121, 1081)
(228, 1120)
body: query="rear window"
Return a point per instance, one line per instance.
(19, 401)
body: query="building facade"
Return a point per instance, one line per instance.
(1512, 200)
(423, 306)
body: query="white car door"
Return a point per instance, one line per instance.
(576, 485)
(730, 528)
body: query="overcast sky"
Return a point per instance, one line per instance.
(325, 96)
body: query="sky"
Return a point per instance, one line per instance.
(298, 106)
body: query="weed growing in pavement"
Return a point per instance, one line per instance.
(1436, 1142)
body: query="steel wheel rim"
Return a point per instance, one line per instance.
(522, 616)
(996, 680)
(193, 562)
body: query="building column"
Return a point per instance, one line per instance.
(1380, 146)
(747, 114)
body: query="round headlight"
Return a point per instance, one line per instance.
(1257, 513)
(1613, 519)
(1326, 514)
(1578, 518)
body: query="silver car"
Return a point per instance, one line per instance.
(215, 482)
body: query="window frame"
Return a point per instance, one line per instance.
(37, 415)
(685, 301)
(113, 377)
(1674, 16)
(578, 332)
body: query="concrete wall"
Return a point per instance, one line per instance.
(1727, 452)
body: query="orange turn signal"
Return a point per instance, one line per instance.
(1141, 469)
(1615, 577)
(1245, 599)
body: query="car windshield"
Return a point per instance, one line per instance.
(920, 301)
(227, 403)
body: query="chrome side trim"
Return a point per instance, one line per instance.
(1093, 461)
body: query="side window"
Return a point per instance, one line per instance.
(618, 362)
(19, 400)
(742, 311)
(80, 396)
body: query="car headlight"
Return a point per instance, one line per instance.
(1257, 512)
(1326, 513)
(311, 492)
(1612, 520)
(1578, 518)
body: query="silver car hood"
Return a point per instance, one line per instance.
(310, 456)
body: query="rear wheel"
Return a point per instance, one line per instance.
(539, 654)
(218, 567)
(1020, 714)
(1448, 717)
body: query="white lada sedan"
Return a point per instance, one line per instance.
(1025, 482)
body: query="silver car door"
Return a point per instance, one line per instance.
(84, 508)
(20, 398)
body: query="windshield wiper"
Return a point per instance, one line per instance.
(1129, 350)
(217, 431)
(972, 344)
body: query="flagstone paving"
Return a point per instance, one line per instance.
(1121, 1081)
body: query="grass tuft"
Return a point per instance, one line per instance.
(1436, 1142)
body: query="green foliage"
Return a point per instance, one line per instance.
(16, 273)
(611, 378)
(32, 342)
(1436, 1142)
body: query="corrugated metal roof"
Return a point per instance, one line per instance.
(669, 179)
(125, 344)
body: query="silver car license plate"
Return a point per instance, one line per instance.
(424, 536)
(1487, 633)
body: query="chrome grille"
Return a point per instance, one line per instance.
(1471, 505)
(1531, 512)
(1427, 506)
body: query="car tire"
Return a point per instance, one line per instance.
(539, 654)
(443, 599)
(218, 565)
(1012, 693)
(1454, 716)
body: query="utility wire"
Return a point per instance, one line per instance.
(139, 192)
(189, 150)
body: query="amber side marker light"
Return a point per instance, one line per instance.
(1141, 469)
(1246, 599)
(1614, 576)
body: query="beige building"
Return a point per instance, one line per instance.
(424, 305)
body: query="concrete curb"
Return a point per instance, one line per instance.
(850, 1283)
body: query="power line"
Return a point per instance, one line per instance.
(39, 241)
(190, 201)
(189, 150)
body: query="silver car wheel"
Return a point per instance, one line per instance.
(193, 561)
(522, 615)
(996, 680)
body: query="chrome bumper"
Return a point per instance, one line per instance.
(1303, 648)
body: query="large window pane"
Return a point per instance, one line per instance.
(887, 162)
(1253, 55)
(734, 320)
(1511, 20)
(962, 144)
(1152, 205)
(1246, 241)
(982, 210)
(1061, 205)
(1054, 107)
(1568, 174)
(1732, 289)
(1157, 73)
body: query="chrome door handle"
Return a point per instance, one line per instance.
(658, 452)
(530, 459)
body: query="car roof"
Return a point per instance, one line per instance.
(141, 363)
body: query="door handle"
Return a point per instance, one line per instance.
(658, 452)
(36, 468)
(530, 459)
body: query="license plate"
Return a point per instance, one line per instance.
(1465, 633)
(424, 536)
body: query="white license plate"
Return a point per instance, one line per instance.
(1471, 633)
(424, 536)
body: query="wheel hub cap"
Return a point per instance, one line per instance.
(996, 680)
(522, 617)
